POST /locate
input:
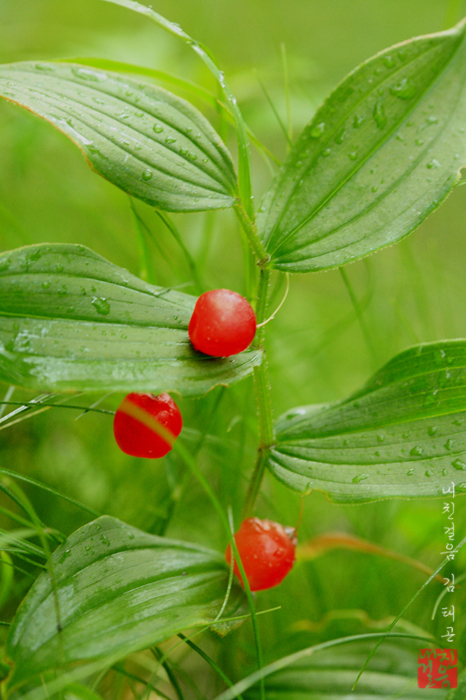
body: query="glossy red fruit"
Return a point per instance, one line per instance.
(223, 323)
(267, 552)
(136, 438)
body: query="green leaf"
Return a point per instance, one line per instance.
(330, 674)
(460, 692)
(382, 152)
(118, 590)
(402, 435)
(71, 320)
(151, 144)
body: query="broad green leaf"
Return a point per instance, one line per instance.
(151, 144)
(402, 435)
(117, 590)
(380, 154)
(330, 674)
(244, 165)
(71, 320)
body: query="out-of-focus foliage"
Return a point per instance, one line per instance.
(321, 347)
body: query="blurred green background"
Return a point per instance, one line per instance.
(318, 351)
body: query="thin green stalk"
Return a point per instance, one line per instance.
(146, 265)
(173, 679)
(274, 110)
(287, 94)
(251, 232)
(210, 661)
(189, 259)
(360, 317)
(28, 480)
(120, 669)
(262, 389)
(8, 395)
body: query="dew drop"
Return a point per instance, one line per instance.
(157, 128)
(410, 472)
(374, 188)
(317, 130)
(147, 174)
(87, 74)
(184, 151)
(65, 555)
(380, 438)
(360, 477)
(459, 465)
(419, 142)
(379, 115)
(341, 136)
(416, 451)
(433, 164)
(431, 398)
(358, 121)
(353, 155)
(449, 444)
(389, 61)
(45, 285)
(101, 305)
(405, 89)
(429, 472)
(326, 152)
(432, 430)
(170, 139)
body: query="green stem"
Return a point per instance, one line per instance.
(250, 230)
(262, 389)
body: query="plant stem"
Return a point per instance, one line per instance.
(251, 232)
(262, 388)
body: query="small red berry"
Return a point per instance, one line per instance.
(223, 323)
(267, 552)
(139, 440)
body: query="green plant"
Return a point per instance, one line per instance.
(384, 150)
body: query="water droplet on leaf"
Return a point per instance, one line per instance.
(405, 89)
(379, 115)
(101, 305)
(359, 477)
(317, 131)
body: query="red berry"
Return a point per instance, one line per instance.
(223, 323)
(136, 438)
(267, 552)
